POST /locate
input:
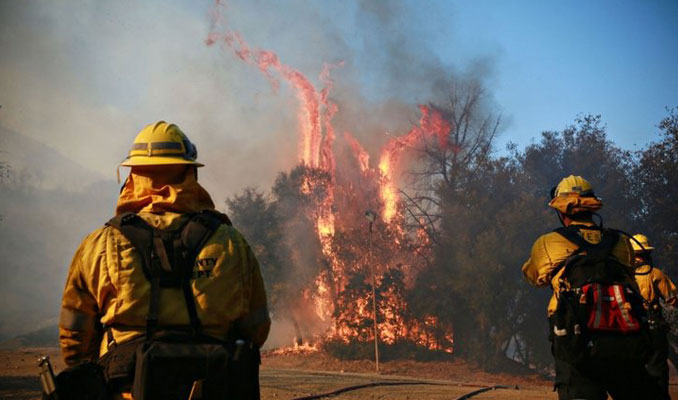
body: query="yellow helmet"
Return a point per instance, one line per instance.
(161, 144)
(574, 195)
(643, 241)
(574, 184)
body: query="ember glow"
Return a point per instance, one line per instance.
(297, 348)
(338, 294)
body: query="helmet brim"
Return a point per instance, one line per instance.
(645, 248)
(157, 160)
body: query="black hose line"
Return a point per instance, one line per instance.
(363, 386)
(375, 384)
(479, 391)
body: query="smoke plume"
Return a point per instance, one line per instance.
(79, 79)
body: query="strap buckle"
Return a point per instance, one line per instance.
(128, 218)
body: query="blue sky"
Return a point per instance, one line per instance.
(557, 59)
(554, 60)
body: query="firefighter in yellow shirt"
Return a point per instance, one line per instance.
(168, 262)
(575, 203)
(654, 285)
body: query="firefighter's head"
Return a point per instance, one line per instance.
(163, 152)
(641, 244)
(575, 199)
(642, 249)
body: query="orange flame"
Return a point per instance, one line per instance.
(431, 123)
(296, 348)
(359, 151)
(316, 141)
(308, 115)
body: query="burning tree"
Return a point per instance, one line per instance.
(322, 283)
(319, 207)
(321, 204)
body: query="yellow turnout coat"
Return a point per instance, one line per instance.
(654, 284)
(106, 285)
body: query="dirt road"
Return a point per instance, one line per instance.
(18, 380)
(279, 384)
(292, 384)
(292, 377)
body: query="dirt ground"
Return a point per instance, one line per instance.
(294, 384)
(299, 375)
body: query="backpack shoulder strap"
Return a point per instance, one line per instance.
(139, 233)
(219, 215)
(608, 242)
(599, 250)
(200, 228)
(142, 236)
(192, 238)
(572, 234)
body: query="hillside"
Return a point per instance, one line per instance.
(47, 205)
(41, 165)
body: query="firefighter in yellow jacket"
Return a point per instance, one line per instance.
(107, 296)
(654, 285)
(575, 203)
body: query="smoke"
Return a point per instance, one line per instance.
(79, 79)
(84, 77)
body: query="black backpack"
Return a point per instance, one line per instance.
(178, 362)
(600, 313)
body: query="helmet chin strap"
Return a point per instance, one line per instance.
(560, 218)
(552, 194)
(123, 184)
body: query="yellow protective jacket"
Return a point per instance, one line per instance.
(106, 285)
(550, 251)
(654, 284)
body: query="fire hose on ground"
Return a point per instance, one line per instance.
(375, 384)
(479, 391)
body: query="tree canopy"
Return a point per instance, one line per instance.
(481, 212)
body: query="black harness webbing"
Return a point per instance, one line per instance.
(168, 257)
(600, 250)
(597, 252)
